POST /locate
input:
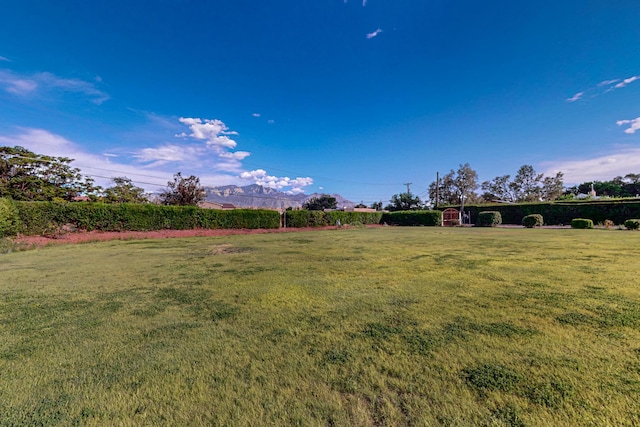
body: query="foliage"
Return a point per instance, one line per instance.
(489, 219)
(561, 212)
(183, 191)
(456, 187)
(376, 205)
(404, 202)
(527, 186)
(627, 186)
(25, 175)
(581, 223)
(533, 220)
(124, 191)
(320, 203)
(304, 218)
(409, 218)
(632, 224)
(41, 217)
(9, 218)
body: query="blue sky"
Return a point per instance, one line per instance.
(338, 96)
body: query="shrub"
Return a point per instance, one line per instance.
(404, 218)
(8, 218)
(489, 219)
(533, 220)
(581, 223)
(632, 224)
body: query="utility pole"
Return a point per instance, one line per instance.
(408, 186)
(437, 188)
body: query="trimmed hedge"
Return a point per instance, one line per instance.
(533, 220)
(562, 212)
(405, 218)
(304, 218)
(43, 217)
(581, 223)
(9, 219)
(489, 219)
(632, 224)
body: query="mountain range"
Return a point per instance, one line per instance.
(257, 196)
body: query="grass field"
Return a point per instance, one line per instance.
(388, 326)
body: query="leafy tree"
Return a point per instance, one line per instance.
(404, 202)
(376, 205)
(456, 187)
(124, 191)
(25, 175)
(527, 186)
(627, 186)
(360, 205)
(183, 191)
(320, 203)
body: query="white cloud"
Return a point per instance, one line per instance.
(634, 125)
(260, 177)
(47, 82)
(575, 97)
(256, 114)
(364, 3)
(214, 132)
(2, 58)
(625, 82)
(608, 82)
(271, 121)
(601, 168)
(374, 34)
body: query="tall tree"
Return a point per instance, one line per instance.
(456, 187)
(404, 202)
(25, 175)
(526, 184)
(320, 203)
(183, 191)
(124, 191)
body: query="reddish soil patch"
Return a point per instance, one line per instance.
(97, 236)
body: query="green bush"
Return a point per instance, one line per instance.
(632, 224)
(533, 220)
(42, 217)
(581, 223)
(304, 218)
(9, 218)
(405, 218)
(489, 219)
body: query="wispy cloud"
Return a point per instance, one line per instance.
(634, 125)
(256, 114)
(24, 85)
(603, 87)
(261, 177)
(374, 34)
(364, 3)
(625, 82)
(575, 97)
(602, 168)
(2, 58)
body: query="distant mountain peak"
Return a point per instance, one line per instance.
(258, 196)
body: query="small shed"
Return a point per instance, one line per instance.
(450, 217)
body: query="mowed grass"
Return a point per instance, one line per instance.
(388, 326)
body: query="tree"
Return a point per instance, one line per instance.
(124, 191)
(320, 203)
(404, 202)
(456, 187)
(183, 191)
(25, 175)
(527, 186)
(376, 205)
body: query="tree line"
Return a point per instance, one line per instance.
(27, 176)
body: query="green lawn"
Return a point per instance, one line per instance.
(388, 326)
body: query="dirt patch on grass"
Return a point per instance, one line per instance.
(98, 236)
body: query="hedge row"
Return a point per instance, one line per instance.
(305, 218)
(9, 218)
(428, 218)
(561, 213)
(44, 217)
